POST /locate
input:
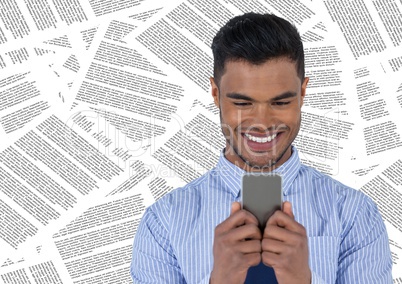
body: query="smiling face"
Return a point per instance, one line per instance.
(260, 111)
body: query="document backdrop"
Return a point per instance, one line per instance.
(105, 106)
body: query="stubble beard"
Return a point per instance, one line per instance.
(249, 163)
(230, 141)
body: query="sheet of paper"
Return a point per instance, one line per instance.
(105, 107)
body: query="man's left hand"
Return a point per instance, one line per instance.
(285, 247)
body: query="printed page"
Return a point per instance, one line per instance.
(105, 107)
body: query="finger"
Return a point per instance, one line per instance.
(274, 246)
(276, 233)
(281, 234)
(238, 219)
(283, 220)
(235, 207)
(253, 259)
(252, 246)
(270, 259)
(246, 232)
(287, 209)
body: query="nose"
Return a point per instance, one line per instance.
(263, 117)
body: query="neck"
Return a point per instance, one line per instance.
(238, 161)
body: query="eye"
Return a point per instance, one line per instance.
(281, 103)
(242, 103)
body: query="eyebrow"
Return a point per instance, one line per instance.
(244, 97)
(285, 95)
(238, 96)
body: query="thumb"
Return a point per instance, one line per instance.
(287, 209)
(235, 207)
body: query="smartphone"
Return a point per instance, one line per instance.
(261, 195)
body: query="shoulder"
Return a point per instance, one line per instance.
(192, 190)
(327, 185)
(353, 207)
(184, 199)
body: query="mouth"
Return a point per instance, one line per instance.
(261, 142)
(261, 139)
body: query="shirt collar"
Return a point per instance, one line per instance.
(232, 175)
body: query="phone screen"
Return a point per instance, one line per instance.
(261, 195)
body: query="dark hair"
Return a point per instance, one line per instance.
(256, 38)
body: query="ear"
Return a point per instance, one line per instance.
(303, 90)
(214, 91)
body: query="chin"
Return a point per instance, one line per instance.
(260, 166)
(259, 163)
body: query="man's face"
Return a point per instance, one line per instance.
(260, 111)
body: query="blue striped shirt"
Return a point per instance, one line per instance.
(347, 239)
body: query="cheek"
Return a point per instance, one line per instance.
(294, 123)
(228, 120)
(292, 117)
(289, 120)
(231, 115)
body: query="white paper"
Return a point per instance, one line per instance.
(105, 107)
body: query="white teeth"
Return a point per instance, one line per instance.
(261, 139)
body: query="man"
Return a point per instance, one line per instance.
(326, 232)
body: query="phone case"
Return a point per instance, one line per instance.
(261, 195)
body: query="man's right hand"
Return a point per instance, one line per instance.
(237, 246)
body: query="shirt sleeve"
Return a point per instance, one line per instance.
(153, 260)
(365, 255)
